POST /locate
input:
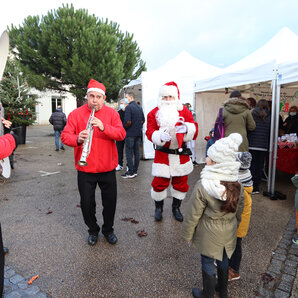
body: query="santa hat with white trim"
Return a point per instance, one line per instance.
(96, 86)
(170, 89)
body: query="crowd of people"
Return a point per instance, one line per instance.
(218, 214)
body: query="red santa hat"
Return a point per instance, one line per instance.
(170, 89)
(96, 86)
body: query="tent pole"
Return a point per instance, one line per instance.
(269, 181)
(275, 135)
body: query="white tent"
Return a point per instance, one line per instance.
(259, 75)
(183, 69)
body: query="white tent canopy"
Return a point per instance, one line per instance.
(184, 70)
(276, 63)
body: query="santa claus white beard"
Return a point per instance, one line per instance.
(167, 115)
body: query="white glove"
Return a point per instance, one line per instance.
(165, 137)
(181, 128)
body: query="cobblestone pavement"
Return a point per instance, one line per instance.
(16, 286)
(282, 270)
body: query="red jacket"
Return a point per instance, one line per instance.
(103, 155)
(171, 165)
(7, 144)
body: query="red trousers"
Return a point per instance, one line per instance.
(178, 183)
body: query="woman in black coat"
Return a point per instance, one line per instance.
(291, 123)
(258, 140)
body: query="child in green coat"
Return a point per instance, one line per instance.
(214, 212)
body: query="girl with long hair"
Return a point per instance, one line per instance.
(214, 212)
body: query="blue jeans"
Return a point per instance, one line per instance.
(57, 137)
(132, 148)
(208, 263)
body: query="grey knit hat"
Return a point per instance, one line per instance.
(245, 159)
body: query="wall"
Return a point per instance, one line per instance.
(44, 107)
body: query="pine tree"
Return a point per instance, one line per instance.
(19, 105)
(68, 47)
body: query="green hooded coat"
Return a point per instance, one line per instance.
(210, 229)
(238, 118)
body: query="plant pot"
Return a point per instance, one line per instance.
(20, 131)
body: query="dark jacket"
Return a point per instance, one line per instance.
(291, 124)
(238, 118)
(134, 114)
(58, 120)
(121, 114)
(259, 138)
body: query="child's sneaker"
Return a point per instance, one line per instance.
(295, 240)
(233, 275)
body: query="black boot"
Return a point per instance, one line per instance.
(176, 211)
(208, 287)
(158, 210)
(222, 282)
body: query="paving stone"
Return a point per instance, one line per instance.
(290, 270)
(281, 294)
(16, 279)
(13, 294)
(294, 251)
(288, 278)
(23, 285)
(284, 244)
(32, 290)
(292, 258)
(279, 257)
(274, 268)
(281, 251)
(276, 262)
(291, 263)
(9, 273)
(285, 287)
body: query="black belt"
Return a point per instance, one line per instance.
(184, 151)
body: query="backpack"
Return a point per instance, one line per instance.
(219, 126)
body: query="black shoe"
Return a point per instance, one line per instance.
(111, 238)
(6, 250)
(62, 148)
(177, 214)
(158, 214)
(92, 239)
(57, 149)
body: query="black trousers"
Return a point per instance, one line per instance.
(1, 264)
(256, 166)
(236, 257)
(120, 150)
(107, 183)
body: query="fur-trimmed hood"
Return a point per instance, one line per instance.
(236, 105)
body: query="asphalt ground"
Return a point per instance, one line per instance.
(43, 227)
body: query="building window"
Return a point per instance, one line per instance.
(56, 101)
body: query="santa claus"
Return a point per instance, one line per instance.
(169, 126)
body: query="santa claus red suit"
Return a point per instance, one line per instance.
(169, 126)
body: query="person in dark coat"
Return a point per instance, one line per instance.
(58, 120)
(133, 123)
(291, 123)
(259, 141)
(120, 144)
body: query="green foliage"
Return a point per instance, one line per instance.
(68, 47)
(18, 105)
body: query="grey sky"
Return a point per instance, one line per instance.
(219, 32)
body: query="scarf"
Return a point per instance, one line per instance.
(212, 175)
